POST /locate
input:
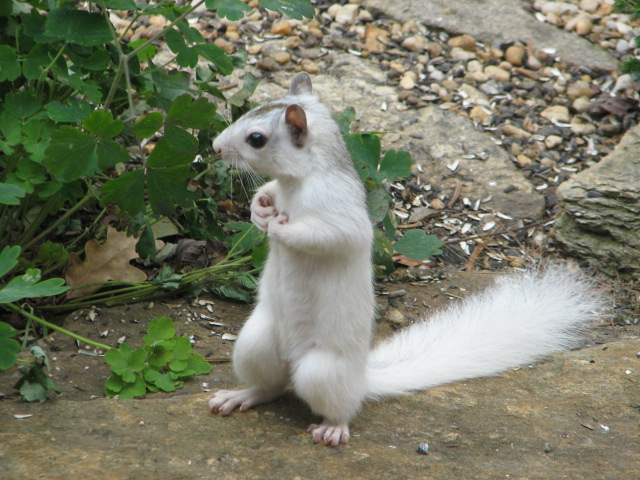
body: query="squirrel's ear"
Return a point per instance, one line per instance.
(296, 120)
(300, 84)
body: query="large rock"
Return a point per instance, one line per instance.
(602, 210)
(498, 21)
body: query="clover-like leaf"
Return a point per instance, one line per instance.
(77, 26)
(160, 329)
(230, 9)
(417, 245)
(9, 347)
(292, 8)
(396, 164)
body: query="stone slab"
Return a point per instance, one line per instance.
(575, 416)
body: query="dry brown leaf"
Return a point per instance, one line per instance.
(104, 262)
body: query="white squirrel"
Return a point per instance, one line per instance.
(312, 325)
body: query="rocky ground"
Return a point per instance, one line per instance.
(499, 102)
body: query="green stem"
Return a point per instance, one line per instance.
(88, 196)
(147, 291)
(42, 321)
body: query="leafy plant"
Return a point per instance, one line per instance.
(9, 347)
(35, 383)
(77, 97)
(164, 363)
(376, 173)
(632, 64)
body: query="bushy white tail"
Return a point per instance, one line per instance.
(518, 319)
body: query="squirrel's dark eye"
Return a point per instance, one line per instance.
(257, 140)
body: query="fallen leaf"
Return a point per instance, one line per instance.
(104, 262)
(409, 262)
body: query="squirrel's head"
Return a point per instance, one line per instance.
(277, 139)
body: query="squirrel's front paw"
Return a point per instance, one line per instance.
(261, 216)
(276, 223)
(263, 211)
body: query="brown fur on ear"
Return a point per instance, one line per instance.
(296, 120)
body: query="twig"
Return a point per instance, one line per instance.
(491, 234)
(456, 193)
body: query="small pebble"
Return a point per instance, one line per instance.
(415, 43)
(497, 73)
(423, 449)
(558, 113)
(282, 57)
(281, 28)
(515, 55)
(309, 66)
(466, 42)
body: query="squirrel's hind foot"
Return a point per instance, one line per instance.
(223, 402)
(329, 433)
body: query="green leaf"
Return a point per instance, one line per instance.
(160, 355)
(28, 286)
(77, 26)
(136, 388)
(120, 4)
(417, 245)
(378, 201)
(33, 392)
(180, 142)
(86, 87)
(365, 152)
(8, 259)
(148, 124)
(187, 113)
(102, 124)
(160, 329)
(113, 385)
(127, 191)
(246, 239)
(147, 53)
(71, 154)
(171, 84)
(9, 347)
(109, 153)
(36, 62)
(187, 57)
(11, 194)
(231, 9)
(96, 60)
(382, 254)
(164, 155)
(390, 225)
(162, 381)
(167, 187)
(259, 255)
(146, 246)
(249, 84)
(119, 360)
(72, 111)
(21, 104)
(227, 291)
(9, 64)
(198, 365)
(215, 55)
(293, 8)
(396, 164)
(345, 119)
